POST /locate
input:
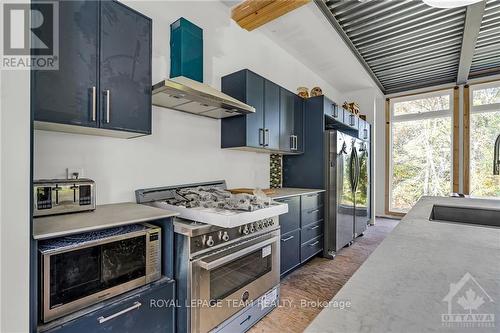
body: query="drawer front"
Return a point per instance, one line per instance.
(290, 251)
(311, 201)
(248, 317)
(311, 248)
(311, 231)
(147, 312)
(312, 215)
(291, 220)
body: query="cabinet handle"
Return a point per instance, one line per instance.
(313, 211)
(335, 111)
(365, 133)
(93, 104)
(102, 319)
(314, 244)
(261, 136)
(108, 97)
(287, 239)
(315, 227)
(266, 137)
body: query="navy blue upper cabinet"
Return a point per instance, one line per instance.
(298, 123)
(67, 95)
(263, 129)
(272, 115)
(125, 67)
(291, 125)
(103, 85)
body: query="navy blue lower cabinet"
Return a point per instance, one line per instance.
(150, 311)
(290, 251)
(291, 220)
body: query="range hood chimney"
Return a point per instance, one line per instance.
(185, 90)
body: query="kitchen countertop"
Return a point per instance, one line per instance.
(405, 285)
(104, 216)
(286, 192)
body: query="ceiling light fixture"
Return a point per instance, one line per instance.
(449, 3)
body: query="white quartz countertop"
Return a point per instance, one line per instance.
(422, 272)
(286, 192)
(104, 216)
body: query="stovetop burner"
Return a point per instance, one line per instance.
(215, 197)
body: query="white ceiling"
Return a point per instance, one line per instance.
(306, 34)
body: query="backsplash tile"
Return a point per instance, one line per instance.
(276, 171)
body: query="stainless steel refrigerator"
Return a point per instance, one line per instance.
(347, 180)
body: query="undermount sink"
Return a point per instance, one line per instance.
(469, 215)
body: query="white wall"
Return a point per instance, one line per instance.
(14, 200)
(183, 148)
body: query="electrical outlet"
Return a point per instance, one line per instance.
(72, 173)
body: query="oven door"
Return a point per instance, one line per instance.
(226, 281)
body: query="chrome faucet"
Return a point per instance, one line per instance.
(496, 157)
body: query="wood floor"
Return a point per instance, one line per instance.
(318, 281)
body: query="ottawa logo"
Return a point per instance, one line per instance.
(468, 305)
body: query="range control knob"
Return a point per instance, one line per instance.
(252, 228)
(266, 224)
(225, 236)
(245, 230)
(258, 225)
(271, 222)
(210, 241)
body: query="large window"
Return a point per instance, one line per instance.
(420, 150)
(484, 129)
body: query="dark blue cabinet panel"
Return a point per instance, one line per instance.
(104, 76)
(255, 98)
(290, 251)
(272, 115)
(125, 67)
(286, 116)
(298, 122)
(291, 220)
(67, 95)
(151, 311)
(278, 116)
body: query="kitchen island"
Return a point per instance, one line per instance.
(426, 276)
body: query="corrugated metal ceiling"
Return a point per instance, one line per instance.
(409, 45)
(486, 60)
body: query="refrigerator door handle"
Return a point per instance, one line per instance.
(358, 171)
(352, 168)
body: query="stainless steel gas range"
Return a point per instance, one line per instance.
(227, 277)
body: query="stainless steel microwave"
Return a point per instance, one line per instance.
(59, 196)
(79, 270)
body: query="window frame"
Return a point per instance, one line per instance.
(391, 119)
(470, 109)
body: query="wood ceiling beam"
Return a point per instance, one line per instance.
(473, 19)
(251, 14)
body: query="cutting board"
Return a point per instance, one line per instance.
(267, 191)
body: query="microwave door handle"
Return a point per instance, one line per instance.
(209, 265)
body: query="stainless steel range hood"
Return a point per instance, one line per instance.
(183, 94)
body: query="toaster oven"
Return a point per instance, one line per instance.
(59, 196)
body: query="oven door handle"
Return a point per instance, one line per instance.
(209, 265)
